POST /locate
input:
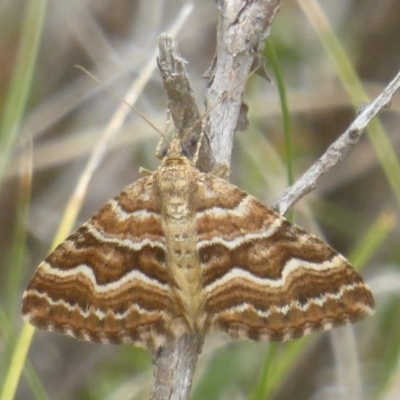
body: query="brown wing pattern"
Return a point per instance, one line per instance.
(266, 279)
(108, 281)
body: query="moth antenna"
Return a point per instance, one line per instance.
(134, 109)
(159, 148)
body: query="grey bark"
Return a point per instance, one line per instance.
(337, 150)
(242, 29)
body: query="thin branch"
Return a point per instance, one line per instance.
(337, 150)
(181, 101)
(242, 30)
(174, 366)
(243, 27)
(175, 363)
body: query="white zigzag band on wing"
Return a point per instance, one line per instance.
(100, 314)
(122, 215)
(291, 266)
(241, 210)
(239, 240)
(87, 272)
(136, 246)
(318, 301)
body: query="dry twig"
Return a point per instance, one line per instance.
(337, 150)
(242, 29)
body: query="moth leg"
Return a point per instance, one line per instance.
(161, 146)
(160, 149)
(145, 171)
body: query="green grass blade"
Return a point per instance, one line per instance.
(276, 365)
(260, 391)
(18, 247)
(37, 389)
(13, 111)
(33, 380)
(372, 240)
(287, 130)
(21, 81)
(17, 363)
(353, 86)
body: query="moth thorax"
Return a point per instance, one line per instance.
(176, 192)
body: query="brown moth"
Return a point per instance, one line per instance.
(184, 251)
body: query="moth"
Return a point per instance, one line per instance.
(181, 251)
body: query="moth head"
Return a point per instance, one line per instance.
(175, 148)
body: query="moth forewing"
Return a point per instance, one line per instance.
(182, 251)
(267, 279)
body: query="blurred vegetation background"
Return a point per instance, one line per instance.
(52, 115)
